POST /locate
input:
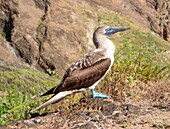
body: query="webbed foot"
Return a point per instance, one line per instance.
(99, 95)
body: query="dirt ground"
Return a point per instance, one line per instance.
(103, 114)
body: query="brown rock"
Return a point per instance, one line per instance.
(45, 33)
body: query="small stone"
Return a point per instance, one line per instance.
(37, 120)
(28, 122)
(116, 113)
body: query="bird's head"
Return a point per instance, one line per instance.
(109, 31)
(101, 33)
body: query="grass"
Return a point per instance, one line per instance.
(161, 126)
(139, 64)
(22, 90)
(140, 61)
(4, 36)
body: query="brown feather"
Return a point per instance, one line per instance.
(84, 78)
(83, 74)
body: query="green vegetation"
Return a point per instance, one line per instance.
(3, 36)
(161, 126)
(22, 90)
(140, 62)
(50, 72)
(141, 59)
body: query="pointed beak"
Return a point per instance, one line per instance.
(111, 30)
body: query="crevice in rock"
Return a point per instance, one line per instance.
(43, 35)
(10, 11)
(156, 5)
(8, 28)
(165, 32)
(43, 5)
(161, 24)
(164, 20)
(45, 11)
(46, 65)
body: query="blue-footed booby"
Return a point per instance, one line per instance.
(88, 71)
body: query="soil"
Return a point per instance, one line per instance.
(103, 114)
(40, 33)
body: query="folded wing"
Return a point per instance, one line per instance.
(83, 74)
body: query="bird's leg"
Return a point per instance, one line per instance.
(98, 95)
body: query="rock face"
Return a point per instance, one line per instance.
(8, 54)
(44, 33)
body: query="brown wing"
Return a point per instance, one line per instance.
(82, 63)
(86, 77)
(84, 73)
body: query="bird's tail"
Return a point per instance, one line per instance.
(54, 99)
(53, 90)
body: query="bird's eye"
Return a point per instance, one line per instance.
(108, 29)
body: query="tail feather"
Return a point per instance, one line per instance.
(54, 99)
(51, 91)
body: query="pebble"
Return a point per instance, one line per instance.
(28, 122)
(37, 120)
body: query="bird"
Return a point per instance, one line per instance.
(88, 71)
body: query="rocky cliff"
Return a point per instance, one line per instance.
(50, 34)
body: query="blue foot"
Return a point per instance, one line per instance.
(98, 95)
